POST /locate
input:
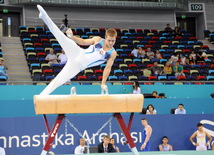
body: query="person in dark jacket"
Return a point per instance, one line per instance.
(105, 146)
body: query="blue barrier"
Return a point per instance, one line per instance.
(26, 135)
(179, 91)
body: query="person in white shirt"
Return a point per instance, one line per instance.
(174, 58)
(183, 60)
(136, 88)
(79, 149)
(63, 58)
(2, 151)
(141, 53)
(63, 27)
(200, 135)
(134, 52)
(180, 109)
(151, 110)
(192, 58)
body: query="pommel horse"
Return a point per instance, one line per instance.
(83, 104)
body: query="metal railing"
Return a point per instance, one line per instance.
(91, 82)
(173, 4)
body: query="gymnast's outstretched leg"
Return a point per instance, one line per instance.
(71, 49)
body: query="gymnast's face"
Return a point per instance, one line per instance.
(110, 41)
(144, 122)
(165, 140)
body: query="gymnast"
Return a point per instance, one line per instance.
(99, 51)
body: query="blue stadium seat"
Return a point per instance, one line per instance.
(112, 78)
(34, 64)
(172, 78)
(210, 78)
(162, 78)
(158, 83)
(123, 78)
(163, 61)
(3, 78)
(118, 71)
(48, 78)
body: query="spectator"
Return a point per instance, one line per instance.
(180, 109)
(164, 146)
(141, 53)
(80, 149)
(134, 53)
(200, 56)
(112, 141)
(201, 135)
(52, 58)
(167, 69)
(158, 55)
(63, 27)
(136, 88)
(176, 32)
(168, 29)
(156, 70)
(174, 58)
(178, 69)
(183, 60)
(151, 110)
(62, 59)
(150, 54)
(155, 93)
(105, 146)
(192, 58)
(3, 67)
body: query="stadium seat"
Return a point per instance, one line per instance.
(210, 78)
(162, 78)
(172, 78)
(152, 78)
(123, 78)
(201, 78)
(82, 78)
(181, 78)
(112, 78)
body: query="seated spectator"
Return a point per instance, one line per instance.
(156, 70)
(134, 53)
(105, 146)
(176, 32)
(62, 59)
(192, 58)
(158, 55)
(155, 93)
(168, 29)
(112, 141)
(136, 88)
(141, 53)
(178, 70)
(180, 109)
(201, 56)
(165, 146)
(52, 58)
(151, 110)
(167, 69)
(80, 149)
(183, 60)
(3, 67)
(174, 58)
(150, 54)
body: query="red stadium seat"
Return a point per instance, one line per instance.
(152, 42)
(131, 66)
(201, 78)
(38, 54)
(47, 70)
(193, 38)
(150, 78)
(35, 44)
(139, 30)
(146, 46)
(150, 65)
(82, 78)
(100, 78)
(44, 40)
(185, 50)
(167, 42)
(177, 38)
(182, 78)
(139, 38)
(155, 38)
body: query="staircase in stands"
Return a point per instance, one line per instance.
(15, 60)
(207, 42)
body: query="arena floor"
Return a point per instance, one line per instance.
(162, 153)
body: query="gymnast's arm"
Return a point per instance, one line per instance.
(107, 69)
(81, 41)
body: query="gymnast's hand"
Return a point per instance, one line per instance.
(69, 33)
(103, 86)
(142, 147)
